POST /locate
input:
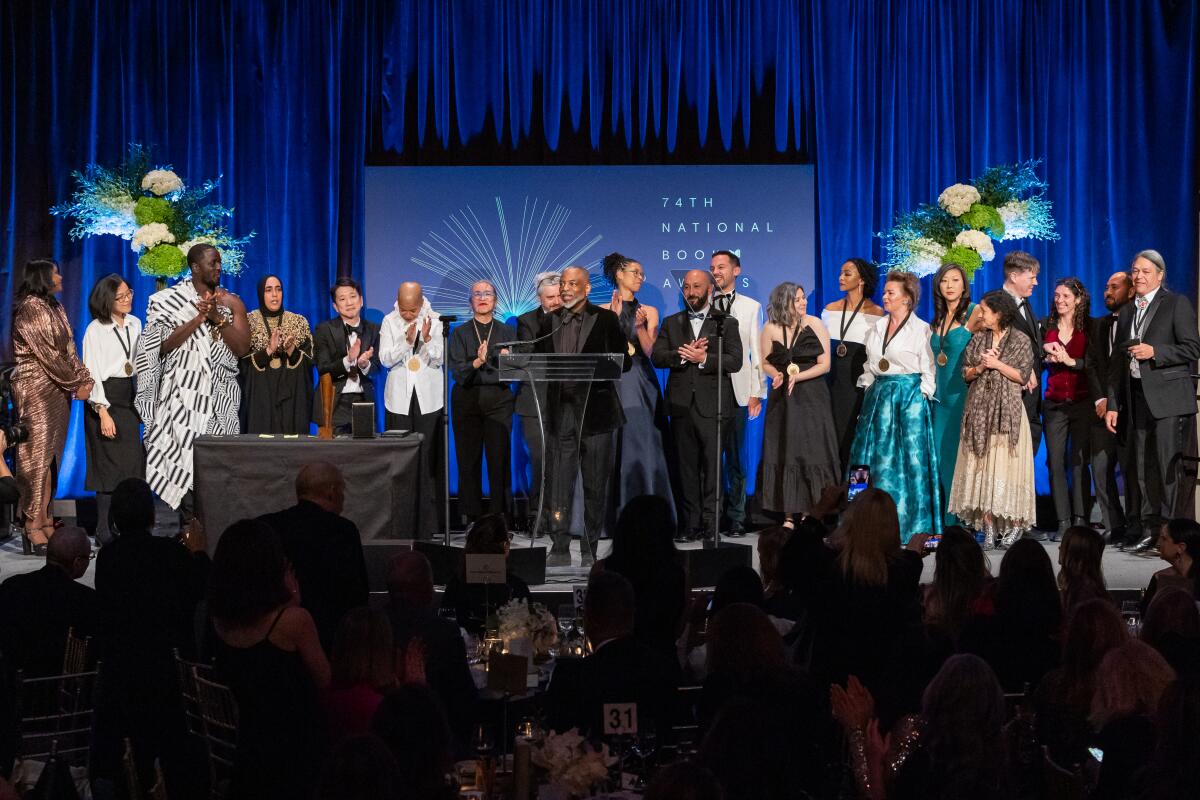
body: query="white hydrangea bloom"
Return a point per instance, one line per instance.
(150, 235)
(958, 199)
(1014, 214)
(161, 182)
(978, 241)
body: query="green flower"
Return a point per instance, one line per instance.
(162, 260)
(156, 209)
(984, 218)
(965, 257)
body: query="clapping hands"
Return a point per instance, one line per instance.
(696, 352)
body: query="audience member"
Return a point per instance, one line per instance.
(869, 618)
(770, 546)
(42, 606)
(1172, 627)
(362, 672)
(1063, 699)
(1080, 577)
(1021, 641)
(620, 669)
(643, 550)
(1129, 684)
(148, 588)
(1173, 770)
(475, 602)
(412, 724)
(360, 768)
(1178, 543)
(271, 657)
(806, 568)
(961, 585)
(323, 547)
(684, 780)
(747, 748)
(950, 750)
(429, 650)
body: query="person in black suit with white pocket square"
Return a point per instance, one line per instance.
(687, 346)
(1151, 394)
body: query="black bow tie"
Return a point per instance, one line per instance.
(355, 329)
(569, 316)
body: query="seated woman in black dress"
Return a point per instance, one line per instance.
(473, 603)
(271, 657)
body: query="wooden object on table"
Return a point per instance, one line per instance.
(325, 388)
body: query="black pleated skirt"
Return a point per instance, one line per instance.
(110, 461)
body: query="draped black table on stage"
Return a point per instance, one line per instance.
(247, 476)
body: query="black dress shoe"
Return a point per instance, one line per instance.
(1146, 545)
(683, 537)
(1035, 535)
(736, 530)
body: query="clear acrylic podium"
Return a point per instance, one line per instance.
(546, 369)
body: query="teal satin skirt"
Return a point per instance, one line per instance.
(895, 439)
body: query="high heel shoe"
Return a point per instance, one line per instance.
(30, 547)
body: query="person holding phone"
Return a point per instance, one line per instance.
(993, 488)
(894, 437)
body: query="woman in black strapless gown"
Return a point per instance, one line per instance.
(800, 449)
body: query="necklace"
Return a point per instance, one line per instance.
(841, 348)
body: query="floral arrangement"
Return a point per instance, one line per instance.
(152, 208)
(574, 767)
(1005, 202)
(529, 620)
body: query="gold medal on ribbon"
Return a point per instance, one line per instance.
(842, 350)
(128, 368)
(942, 360)
(414, 364)
(276, 363)
(884, 364)
(631, 350)
(793, 370)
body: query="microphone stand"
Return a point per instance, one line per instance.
(719, 315)
(446, 319)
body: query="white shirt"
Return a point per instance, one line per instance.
(395, 353)
(107, 348)
(1139, 324)
(748, 380)
(856, 330)
(352, 384)
(907, 352)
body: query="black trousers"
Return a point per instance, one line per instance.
(431, 429)
(1157, 445)
(570, 456)
(1107, 452)
(733, 431)
(696, 452)
(1068, 438)
(537, 461)
(482, 418)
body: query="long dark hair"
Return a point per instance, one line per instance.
(1079, 318)
(963, 708)
(247, 577)
(37, 281)
(940, 306)
(1026, 591)
(642, 540)
(959, 578)
(104, 294)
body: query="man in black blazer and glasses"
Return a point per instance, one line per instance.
(1151, 395)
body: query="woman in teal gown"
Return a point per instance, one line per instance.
(952, 310)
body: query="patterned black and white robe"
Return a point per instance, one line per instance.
(191, 392)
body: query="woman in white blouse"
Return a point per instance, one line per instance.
(894, 436)
(111, 424)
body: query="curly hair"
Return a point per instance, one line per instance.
(1001, 302)
(1080, 318)
(612, 264)
(867, 273)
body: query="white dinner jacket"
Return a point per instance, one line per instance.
(748, 381)
(395, 353)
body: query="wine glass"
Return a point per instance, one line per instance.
(1131, 611)
(483, 741)
(566, 619)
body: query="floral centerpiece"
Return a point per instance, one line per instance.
(573, 766)
(152, 208)
(519, 619)
(1005, 202)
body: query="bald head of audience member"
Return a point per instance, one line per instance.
(322, 483)
(608, 609)
(410, 581)
(70, 551)
(409, 300)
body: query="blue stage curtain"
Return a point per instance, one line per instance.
(891, 101)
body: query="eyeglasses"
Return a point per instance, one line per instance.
(124, 296)
(637, 273)
(483, 295)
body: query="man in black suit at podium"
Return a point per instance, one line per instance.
(582, 417)
(1150, 389)
(345, 349)
(687, 346)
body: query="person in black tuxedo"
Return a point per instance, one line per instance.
(582, 416)
(481, 407)
(324, 548)
(529, 325)
(345, 349)
(621, 668)
(1150, 390)
(686, 345)
(1106, 451)
(45, 604)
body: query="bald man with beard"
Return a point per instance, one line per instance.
(410, 347)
